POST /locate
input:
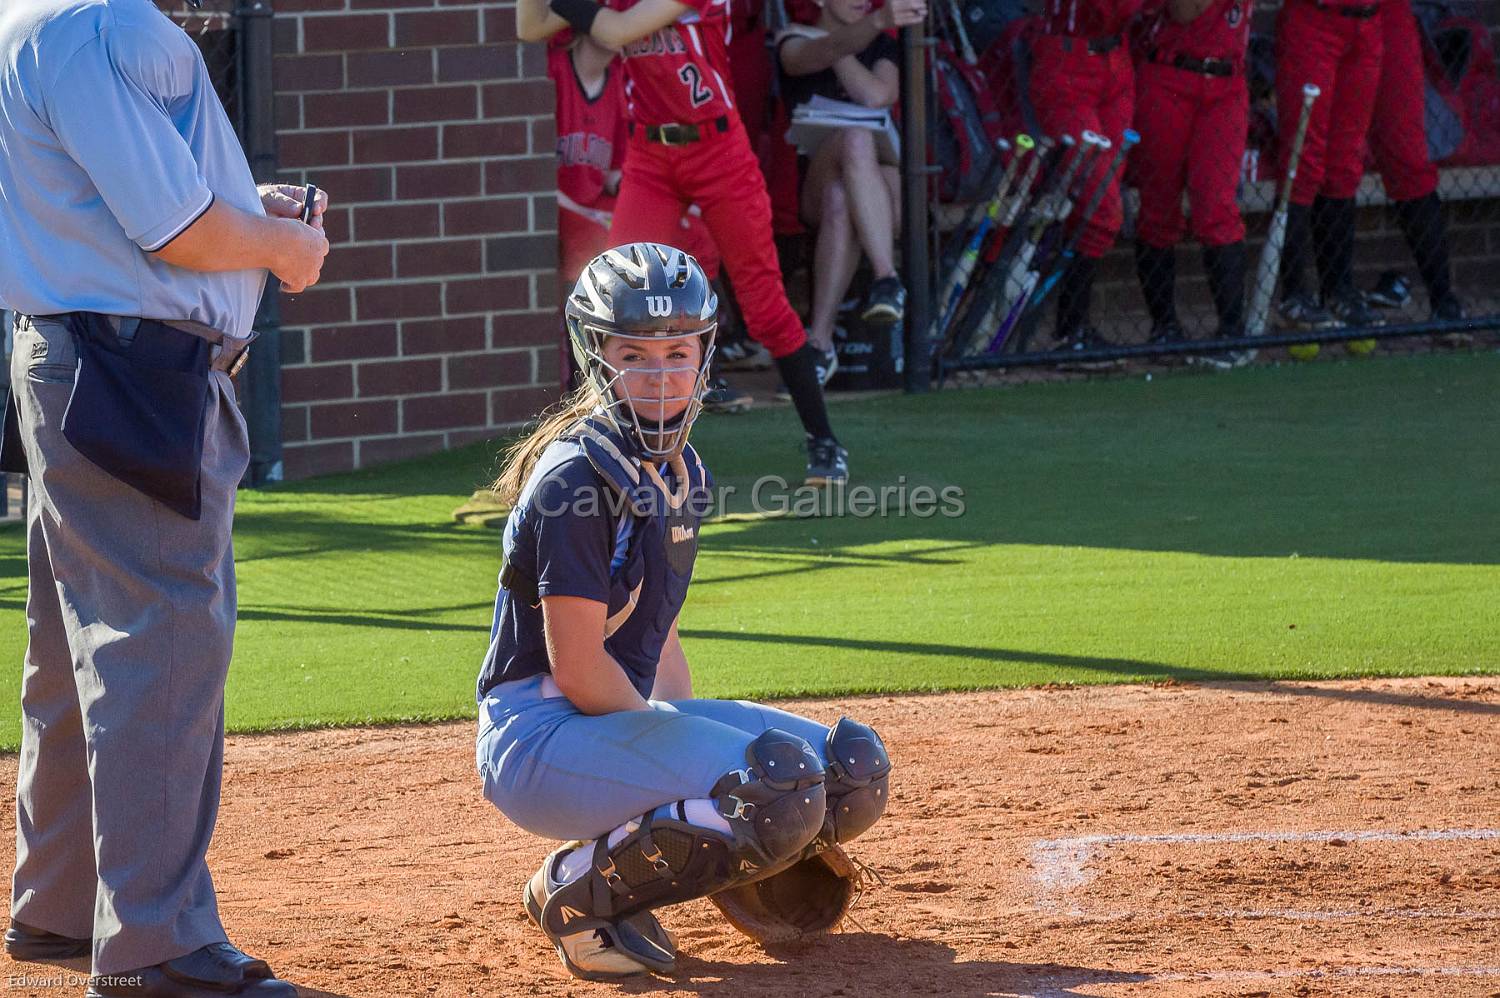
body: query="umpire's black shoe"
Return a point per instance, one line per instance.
(214, 970)
(25, 942)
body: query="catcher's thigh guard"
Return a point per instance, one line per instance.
(775, 807)
(857, 781)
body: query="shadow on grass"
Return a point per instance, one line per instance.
(402, 619)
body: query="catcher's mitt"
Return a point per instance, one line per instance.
(806, 899)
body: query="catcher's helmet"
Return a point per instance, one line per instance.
(643, 291)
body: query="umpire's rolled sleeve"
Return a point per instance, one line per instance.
(109, 110)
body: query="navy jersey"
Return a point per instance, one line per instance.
(594, 522)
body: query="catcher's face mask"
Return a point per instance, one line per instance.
(653, 386)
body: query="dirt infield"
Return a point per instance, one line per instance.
(1245, 839)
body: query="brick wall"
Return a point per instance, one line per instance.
(435, 321)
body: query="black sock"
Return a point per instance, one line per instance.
(1333, 241)
(1426, 231)
(1226, 283)
(1073, 294)
(1157, 270)
(1296, 246)
(799, 371)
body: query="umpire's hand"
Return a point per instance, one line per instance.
(300, 248)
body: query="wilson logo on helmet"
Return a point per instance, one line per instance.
(659, 306)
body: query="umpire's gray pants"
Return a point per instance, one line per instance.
(130, 612)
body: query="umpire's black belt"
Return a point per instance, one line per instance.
(1207, 67)
(1094, 46)
(673, 134)
(1362, 12)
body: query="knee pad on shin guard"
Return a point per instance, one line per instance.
(775, 807)
(857, 782)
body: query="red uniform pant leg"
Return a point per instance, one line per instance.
(650, 204)
(1073, 91)
(1398, 135)
(722, 177)
(1353, 108)
(1341, 55)
(695, 238)
(1216, 150)
(1166, 101)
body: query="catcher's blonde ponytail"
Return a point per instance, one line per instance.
(554, 421)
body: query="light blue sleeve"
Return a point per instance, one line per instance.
(109, 106)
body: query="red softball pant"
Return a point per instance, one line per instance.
(1398, 135)
(1073, 91)
(1193, 130)
(720, 174)
(1341, 55)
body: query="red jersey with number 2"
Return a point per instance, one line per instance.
(681, 72)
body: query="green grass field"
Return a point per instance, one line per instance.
(1332, 519)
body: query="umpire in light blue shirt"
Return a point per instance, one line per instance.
(134, 247)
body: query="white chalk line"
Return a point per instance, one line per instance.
(1325, 973)
(1062, 864)
(1290, 914)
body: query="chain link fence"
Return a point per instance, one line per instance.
(1126, 194)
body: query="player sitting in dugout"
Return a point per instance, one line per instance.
(849, 196)
(588, 728)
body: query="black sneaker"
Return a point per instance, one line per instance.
(1086, 339)
(826, 367)
(886, 302)
(1350, 309)
(1450, 309)
(1170, 333)
(1302, 312)
(722, 397)
(827, 462)
(1392, 290)
(743, 355)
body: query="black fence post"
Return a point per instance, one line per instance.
(260, 388)
(914, 182)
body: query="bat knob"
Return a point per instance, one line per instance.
(1311, 91)
(1024, 141)
(1131, 136)
(1093, 137)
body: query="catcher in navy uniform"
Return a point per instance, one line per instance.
(588, 729)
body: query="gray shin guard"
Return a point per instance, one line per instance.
(857, 782)
(775, 807)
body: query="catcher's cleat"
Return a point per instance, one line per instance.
(635, 945)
